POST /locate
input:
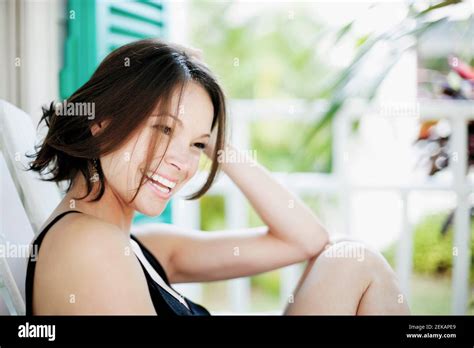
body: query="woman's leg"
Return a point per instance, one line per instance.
(347, 278)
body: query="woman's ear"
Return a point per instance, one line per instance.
(99, 127)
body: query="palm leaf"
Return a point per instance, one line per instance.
(337, 91)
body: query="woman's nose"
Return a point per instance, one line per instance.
(177, 156)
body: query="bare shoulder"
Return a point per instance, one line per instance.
(74, 229)
(86, 266)
(80, 235)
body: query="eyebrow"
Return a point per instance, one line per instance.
(179, 121)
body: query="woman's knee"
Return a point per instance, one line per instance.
(354, 256)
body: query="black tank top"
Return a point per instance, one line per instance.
(165, 304)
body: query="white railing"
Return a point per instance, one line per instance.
(338, 183)
(458, 113)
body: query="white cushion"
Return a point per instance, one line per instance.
(17, 138)
(16, 234)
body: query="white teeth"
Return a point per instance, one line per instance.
(162, 180)
(162, 189)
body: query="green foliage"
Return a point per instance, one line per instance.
(254, 219)
(415, 25)
(275, 143)
(266, 56)
(269, 282)
(261, 56)
(433, 252)
(212, 213)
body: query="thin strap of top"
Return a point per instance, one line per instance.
(41, 235)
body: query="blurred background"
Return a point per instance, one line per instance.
(364, 109)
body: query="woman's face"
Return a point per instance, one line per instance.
(124, 167)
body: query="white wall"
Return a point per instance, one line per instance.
(30, 51)
(8, 51)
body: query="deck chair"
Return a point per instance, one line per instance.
(26, 202)
(16, 234)
(17, 138)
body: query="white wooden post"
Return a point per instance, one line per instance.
(237, 217)
(404, 257)
(39, 29)
(9, 70)
(461, 242)
(340, 153)
(290, 276)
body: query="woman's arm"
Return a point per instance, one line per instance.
(287, 217)
(292, 234)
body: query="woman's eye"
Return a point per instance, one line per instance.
(165, 129)
(200, 146)
(168, 130)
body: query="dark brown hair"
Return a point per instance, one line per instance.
(125, 89)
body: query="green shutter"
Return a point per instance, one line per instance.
(80, 49)
(124, 21)
(97, 27)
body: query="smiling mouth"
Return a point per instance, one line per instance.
(162, 184)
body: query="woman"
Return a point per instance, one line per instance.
(157, 108)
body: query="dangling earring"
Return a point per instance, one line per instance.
(95, 172)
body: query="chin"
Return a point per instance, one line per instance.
(152, 212)
(150, 207)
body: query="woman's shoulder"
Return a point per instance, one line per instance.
(76, 230)
(87, 258)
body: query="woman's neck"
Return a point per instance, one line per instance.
(110, 208)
